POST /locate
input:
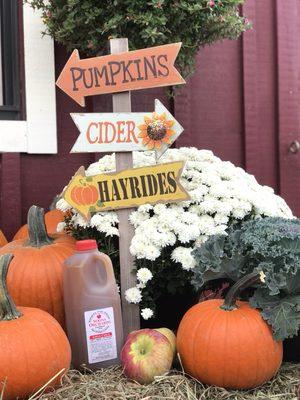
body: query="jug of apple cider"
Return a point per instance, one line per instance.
(92, 307)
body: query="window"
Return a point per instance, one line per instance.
(36, 133)
(9, 65)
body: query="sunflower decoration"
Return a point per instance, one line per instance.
(156, 131)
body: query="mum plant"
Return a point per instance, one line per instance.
(166, 234)
(88, 25)
(270, 246)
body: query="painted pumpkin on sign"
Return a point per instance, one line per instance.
(34, 349)
(35, 275)
(227, 343)
(84, 195)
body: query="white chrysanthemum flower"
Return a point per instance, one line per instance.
(60, 227)
(183, 255)
(151, 252)
(220, 192)
(133, 295)
(144, 275)
(78, 220)
(136, 217)
(159, 208)
(62, 205)
(144, 208)
(147, 313)
(221, 219)
(112, 231)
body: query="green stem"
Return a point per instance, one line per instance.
(8, 310)
(38, 236)
(245, 282)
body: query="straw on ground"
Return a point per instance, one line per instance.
(110, 384)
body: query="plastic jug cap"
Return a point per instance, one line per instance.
(83, 245)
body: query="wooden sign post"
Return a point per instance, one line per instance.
(122, 132)
(131, 315)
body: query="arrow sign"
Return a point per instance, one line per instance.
(132, 70)
(118, 132)
(125, 189)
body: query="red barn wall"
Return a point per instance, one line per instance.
(242, 103)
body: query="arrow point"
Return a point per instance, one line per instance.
(80, 171)
(64, 79)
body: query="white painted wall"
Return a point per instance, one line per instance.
(38, 134)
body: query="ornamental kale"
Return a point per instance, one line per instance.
(271, 245)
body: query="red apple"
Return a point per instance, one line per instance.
(146, 353)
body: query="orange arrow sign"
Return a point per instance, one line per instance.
(132, 70)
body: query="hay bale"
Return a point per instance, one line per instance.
(110, 384)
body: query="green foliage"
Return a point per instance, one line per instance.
(271, 245)
(88, 24)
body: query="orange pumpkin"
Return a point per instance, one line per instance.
(3, 240)
(228, 344)
(35, 275)
(52, 218)
(33, 346)
(84, 195)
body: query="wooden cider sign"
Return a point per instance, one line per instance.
(126, 188)
(125, 71)
(122, 132)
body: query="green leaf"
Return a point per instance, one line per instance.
(283, 314)
(88, 24)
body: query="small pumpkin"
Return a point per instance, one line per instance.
(84, 195)
(228, 344)
(52, 218)
(33, 346)
(3, 240)
(35, 276)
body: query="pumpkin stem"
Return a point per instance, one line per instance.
(38, 236)
(231, 297)
(8, 310)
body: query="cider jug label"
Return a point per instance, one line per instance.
(100, 335)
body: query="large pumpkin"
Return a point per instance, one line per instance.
(33, 347)
(52, 218)
(3, 240)
(35, 275)
(227, 343)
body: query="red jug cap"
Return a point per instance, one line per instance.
(83, 245)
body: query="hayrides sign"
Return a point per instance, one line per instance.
(123, 132)
(125, 189)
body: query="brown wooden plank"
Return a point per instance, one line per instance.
(259, 79)
(210, 106)
(288, 30)
(131, 319)
(10, 189)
